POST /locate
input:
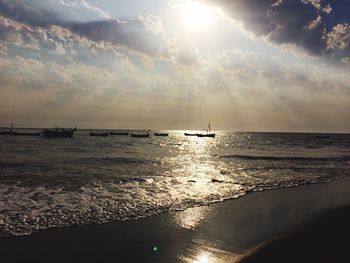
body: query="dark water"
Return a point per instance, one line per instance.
(60, 182)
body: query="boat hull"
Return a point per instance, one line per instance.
(139, 135)
(58, 133)
(6, 133)
(102, 134)
(161, 134)
(190, 134)
(211, 135)
(119, 133)
(26, 133)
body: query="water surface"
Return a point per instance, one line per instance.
(61, 182)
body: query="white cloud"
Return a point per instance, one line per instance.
(315, 23)
(339, 37)
(183, 51)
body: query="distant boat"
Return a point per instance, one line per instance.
(119, 133)
(207, 133)
(99, 134)
(140, 135)
(190, 134)
(161, 134)
(26, 133)
(6, 131)
(58, 132)
(212, 135)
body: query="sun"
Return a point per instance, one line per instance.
(197, 15)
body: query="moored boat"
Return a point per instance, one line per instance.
(190, 134)
(119, 133)
(26, 133)
(99, 134)
(163, 134)
(6, 131)
(140, 135)
(207, 133)
(58, 132)
(212, 135)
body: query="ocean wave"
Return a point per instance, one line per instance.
(59, 183)
(106, 160)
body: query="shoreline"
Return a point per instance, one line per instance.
(220, 232)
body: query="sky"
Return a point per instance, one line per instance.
(244, 65)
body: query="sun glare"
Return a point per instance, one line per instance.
(197, 15)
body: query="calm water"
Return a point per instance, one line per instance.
(61, 182)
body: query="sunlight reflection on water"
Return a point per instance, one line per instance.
(208, 254)
(192, 217)
(48, 183)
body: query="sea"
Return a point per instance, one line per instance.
(60, 182)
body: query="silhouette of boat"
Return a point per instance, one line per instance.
(6, 131)
(212, 135)
(190, 134)
(58, 132)
(26, 133)
(119, 133)
(99, 134)
(207, 133)
(140, 135)
(161, 134)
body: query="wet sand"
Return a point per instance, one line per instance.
(221, 232)
(323, 239)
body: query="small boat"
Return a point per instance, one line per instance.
(207, 133)
(161, 134)
(139, 135)
(26, 133)
(119, 133)
(99, 134)
(58, 132)
(190, 134)
(212, 135)
(6, 131)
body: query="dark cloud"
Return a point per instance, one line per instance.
(27, 13)
(132, 33)
(140, 34)
(294, 22)
(49, 12)
(304, 23)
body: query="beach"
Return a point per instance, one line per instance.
(222, 232)
(323, 239)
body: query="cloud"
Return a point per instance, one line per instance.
(339, 37)
(182, 51)
(308, 24)
(144, 34)
(346, 60)
(110, 72)
(318, 4)
(141, 34)
(315, 23)
(51, 12)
